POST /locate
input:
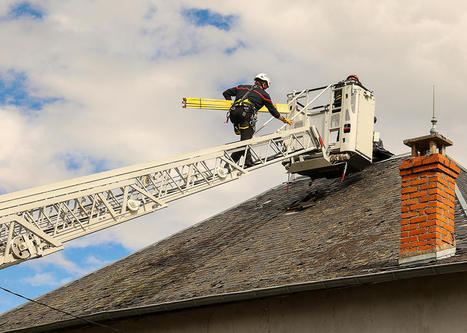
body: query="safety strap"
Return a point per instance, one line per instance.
(246, 94)
(240, 102)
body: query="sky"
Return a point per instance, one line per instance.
(89, 85)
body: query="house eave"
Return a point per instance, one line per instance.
(354, 280)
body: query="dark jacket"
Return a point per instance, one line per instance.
(258, 97)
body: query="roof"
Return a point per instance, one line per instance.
(326, 231)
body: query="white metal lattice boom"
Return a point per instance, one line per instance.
(37, 222)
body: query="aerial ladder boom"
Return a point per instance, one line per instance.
(322, 140)
(37, 222)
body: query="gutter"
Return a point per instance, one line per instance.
(354, 280)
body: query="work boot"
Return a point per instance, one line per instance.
(249, 163)
(248, 160)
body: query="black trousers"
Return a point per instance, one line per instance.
(245, 134)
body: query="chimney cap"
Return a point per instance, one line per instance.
(428, 143)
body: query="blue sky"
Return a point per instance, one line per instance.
(25, 9)
(205, 17)
(14, 90)
(87, 86)
(37, 277)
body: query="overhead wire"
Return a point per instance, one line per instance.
(64, 312)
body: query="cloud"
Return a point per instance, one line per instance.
(58, 261)
(95, 239)
(56, 269)
(79, 162)
(92, 260)
(233, 49)
(41, 279)
(27, 155)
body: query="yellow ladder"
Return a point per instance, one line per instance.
(222, 104)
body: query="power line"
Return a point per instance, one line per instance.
(67, 313)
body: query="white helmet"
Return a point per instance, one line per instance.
(263, 77)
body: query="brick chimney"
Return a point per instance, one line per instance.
(427, 201)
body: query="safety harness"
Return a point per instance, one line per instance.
(240, 109)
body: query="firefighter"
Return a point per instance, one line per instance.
(248, 100)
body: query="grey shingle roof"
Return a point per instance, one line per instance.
(310, 233)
